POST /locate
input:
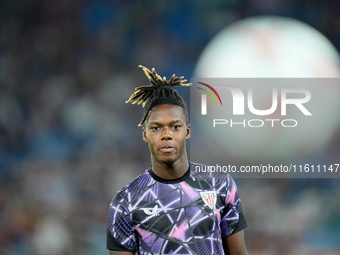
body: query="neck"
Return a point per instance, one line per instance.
(171, 170)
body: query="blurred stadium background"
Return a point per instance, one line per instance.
(68, 141)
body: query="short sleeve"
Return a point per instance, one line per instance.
(121, 235)
(233, 219)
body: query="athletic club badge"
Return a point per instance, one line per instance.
(209, 198)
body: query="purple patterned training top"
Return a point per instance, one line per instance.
(189, 215)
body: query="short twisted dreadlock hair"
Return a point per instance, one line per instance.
(159, 92)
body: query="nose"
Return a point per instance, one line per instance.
(166, 134)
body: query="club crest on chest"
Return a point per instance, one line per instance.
(209, 198)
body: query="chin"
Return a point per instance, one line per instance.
(167, 161)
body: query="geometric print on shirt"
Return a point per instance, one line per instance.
(188, 215)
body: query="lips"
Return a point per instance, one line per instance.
(167, 149)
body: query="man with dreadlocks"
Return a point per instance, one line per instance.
(171, 208)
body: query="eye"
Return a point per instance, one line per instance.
(176, 127)
(154, 128)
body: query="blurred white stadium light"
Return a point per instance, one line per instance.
(269, 46)
(276, 47)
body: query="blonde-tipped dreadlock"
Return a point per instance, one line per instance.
(160, 91)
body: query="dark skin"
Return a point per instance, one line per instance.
(166, 131)
(120, 253)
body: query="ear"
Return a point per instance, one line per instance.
(188, 132)
(145, 139)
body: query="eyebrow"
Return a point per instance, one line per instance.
(171, 123)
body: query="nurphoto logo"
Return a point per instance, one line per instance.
(243, 103)
(204, 97)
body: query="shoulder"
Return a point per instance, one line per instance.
(137, 185)
(213, 177)
(205, 172)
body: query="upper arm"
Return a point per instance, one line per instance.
(120, 228)
(234, 244)
(120, 253)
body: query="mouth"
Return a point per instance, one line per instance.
(167, 149)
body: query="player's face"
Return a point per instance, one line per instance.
(165, 131)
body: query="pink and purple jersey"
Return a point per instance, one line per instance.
(189, 215)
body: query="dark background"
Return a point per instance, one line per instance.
(68, 141)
